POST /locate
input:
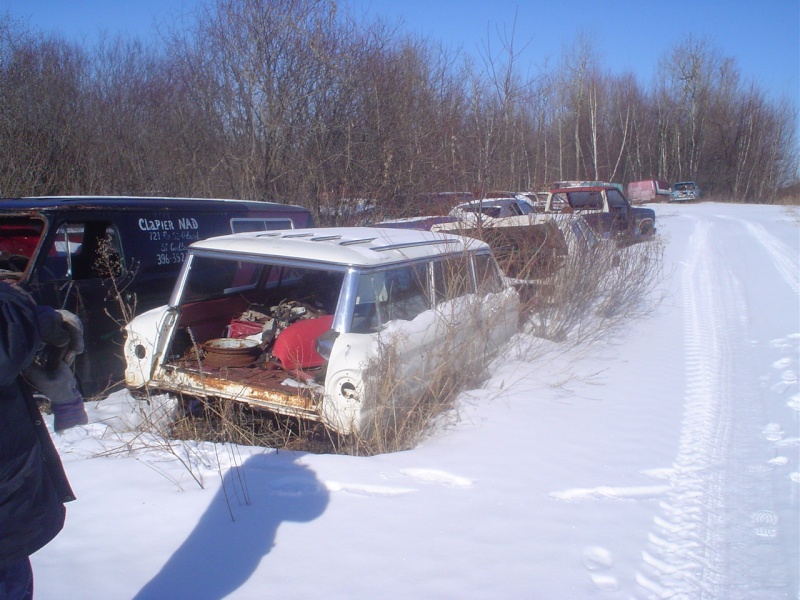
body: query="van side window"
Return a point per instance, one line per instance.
(88, 250)
(240, 224)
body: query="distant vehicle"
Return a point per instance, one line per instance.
(498, 207)
(537, 199)
(348, 211)
(90, 255)
(423, 223)
(606, 210)
(529, 246)
(570, 184)
(685, 191)
(295, 322)
(649, 190)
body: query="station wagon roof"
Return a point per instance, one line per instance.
(135, 203)
(352, 246)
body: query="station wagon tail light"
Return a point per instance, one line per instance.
(325, 343)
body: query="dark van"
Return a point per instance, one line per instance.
(108, 258)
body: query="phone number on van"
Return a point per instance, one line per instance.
(170, 259)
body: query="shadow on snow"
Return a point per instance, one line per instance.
(238, 529)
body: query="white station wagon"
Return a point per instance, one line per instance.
(296, 321)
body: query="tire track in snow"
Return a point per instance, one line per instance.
(785, 259)
(685, 557)
(717, 534)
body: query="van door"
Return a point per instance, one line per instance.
(79, 268)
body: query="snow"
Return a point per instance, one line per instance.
(662, 463)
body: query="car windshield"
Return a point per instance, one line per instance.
(483, 209)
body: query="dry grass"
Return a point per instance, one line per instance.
(228, 421)
(596, 292)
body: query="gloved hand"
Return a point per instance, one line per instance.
(74, 328)
(69, 414)
(63, 334)
(51, 327)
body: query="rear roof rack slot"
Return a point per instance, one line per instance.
(414, 244)
(357, 241)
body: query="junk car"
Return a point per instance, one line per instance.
(105, 258)
(303, 323)
(528, 246)
(606, 210)
(685, 191)
(648, 190)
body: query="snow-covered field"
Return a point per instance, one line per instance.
(660, 464)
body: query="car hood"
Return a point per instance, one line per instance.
(640, 213)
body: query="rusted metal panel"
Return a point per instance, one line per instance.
(257, 387)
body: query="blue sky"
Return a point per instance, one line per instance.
(630, 35)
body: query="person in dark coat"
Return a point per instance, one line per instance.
(33, 484)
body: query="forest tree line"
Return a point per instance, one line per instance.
(296, 101)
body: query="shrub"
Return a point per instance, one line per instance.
(596, 291)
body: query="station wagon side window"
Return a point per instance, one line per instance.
(83, 250)
(487, 275)
(452, 278)
(400, 293)
(521, 208)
